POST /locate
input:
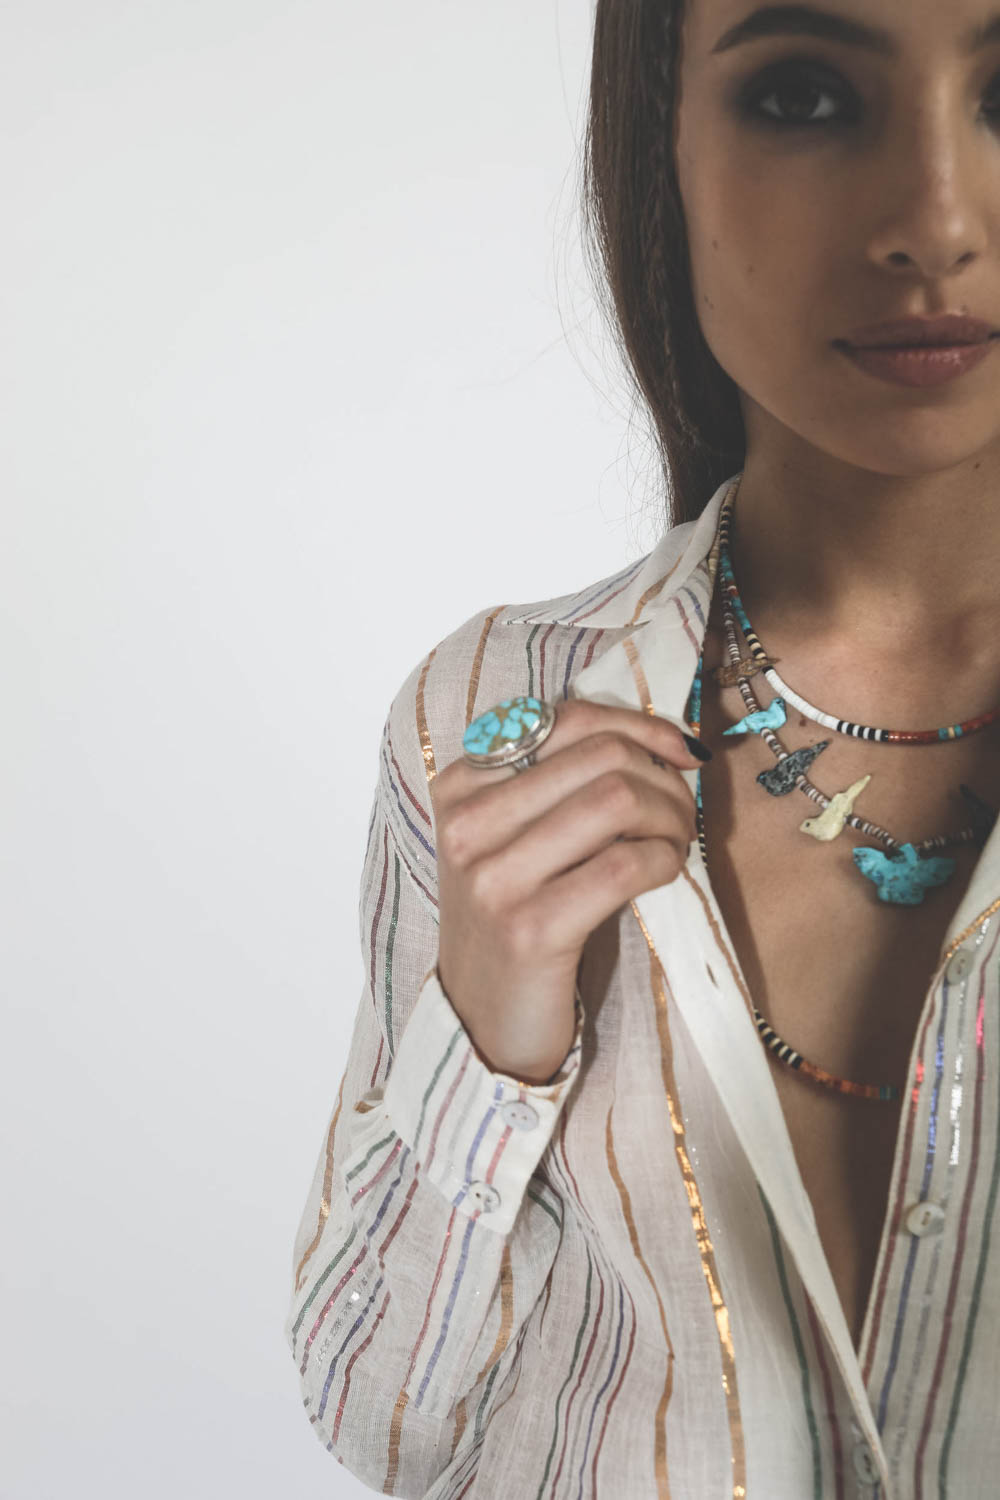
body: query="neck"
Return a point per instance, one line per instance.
(880, 565)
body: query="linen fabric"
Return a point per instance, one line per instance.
(612, 1285)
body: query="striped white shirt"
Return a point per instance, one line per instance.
(612, 1287)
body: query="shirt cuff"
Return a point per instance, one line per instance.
(477, 1135)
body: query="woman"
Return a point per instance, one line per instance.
(666, 1155)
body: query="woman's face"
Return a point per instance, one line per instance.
(879, 199)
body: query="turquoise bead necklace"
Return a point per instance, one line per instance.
(901, 877)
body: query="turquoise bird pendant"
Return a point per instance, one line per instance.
(771, 717)
(903, 877)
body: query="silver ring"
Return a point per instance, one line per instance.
(509, 733)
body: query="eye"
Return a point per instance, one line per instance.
(797, 96)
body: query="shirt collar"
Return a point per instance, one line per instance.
(636, 594)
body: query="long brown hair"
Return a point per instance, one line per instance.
(636, 244)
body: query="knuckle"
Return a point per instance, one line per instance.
(484, 886)
(454, 836)
(618, 792)
(580, 715)
(608, 749)
(522, 934)
(623, 861)
(667, 862)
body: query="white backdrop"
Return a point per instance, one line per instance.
(300, 369)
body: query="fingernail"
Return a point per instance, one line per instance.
(698, 750)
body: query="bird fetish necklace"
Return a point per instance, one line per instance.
(900, 876)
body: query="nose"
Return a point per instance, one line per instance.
(935, 185)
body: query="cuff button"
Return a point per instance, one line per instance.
(519, 1116)
(485, 1195)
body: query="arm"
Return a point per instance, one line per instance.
(427, 1237)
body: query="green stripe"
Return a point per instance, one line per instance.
(482, 1411)
(970, 1327)
(484, 1402)
(569, 1377)
(533, 1193)
(799, 1349)
(388, 956)
(335, 1262)
(458, 1032)
(531, 665)
(377, 1147)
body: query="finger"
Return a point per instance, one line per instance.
(575, 719)
(613, 807)
(488, 820)
(561, 915)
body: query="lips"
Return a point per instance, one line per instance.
(910, 333)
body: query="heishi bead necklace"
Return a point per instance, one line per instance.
(902, 877)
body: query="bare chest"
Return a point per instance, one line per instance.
(842, 976)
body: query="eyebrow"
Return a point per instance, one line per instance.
(806, 20)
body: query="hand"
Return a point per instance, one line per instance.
(529, 863)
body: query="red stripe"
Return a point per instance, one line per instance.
(403, 783)
(687, 624)
(590, 649)
(614, 1394)
(323, 1313)
(579, 1383)
(346, 1384)
(444, 1108)
(389, 1161)
(400, 1219)
(596, 608)
(431, 1295)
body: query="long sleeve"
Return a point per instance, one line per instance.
(427, 1236)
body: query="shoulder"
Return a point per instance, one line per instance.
(502, 650)
(535, 648)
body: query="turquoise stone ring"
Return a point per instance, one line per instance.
(509, 733)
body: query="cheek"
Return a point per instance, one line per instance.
(756, 266)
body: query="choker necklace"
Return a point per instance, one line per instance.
(900, 876)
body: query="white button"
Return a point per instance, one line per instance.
(519, 1115)
(959, 965)
(485, 1195)
(924, 1218)
(864, 1463)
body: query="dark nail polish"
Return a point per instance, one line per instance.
(702, 752)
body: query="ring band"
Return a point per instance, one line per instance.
(509, 733)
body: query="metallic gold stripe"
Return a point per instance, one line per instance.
(477, 665)
(660, 1434)
(425, 739)
(395, 1433)
(705, 1248)
(324, 1202)
(651, 593)
(957, 942)
(639, 676)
